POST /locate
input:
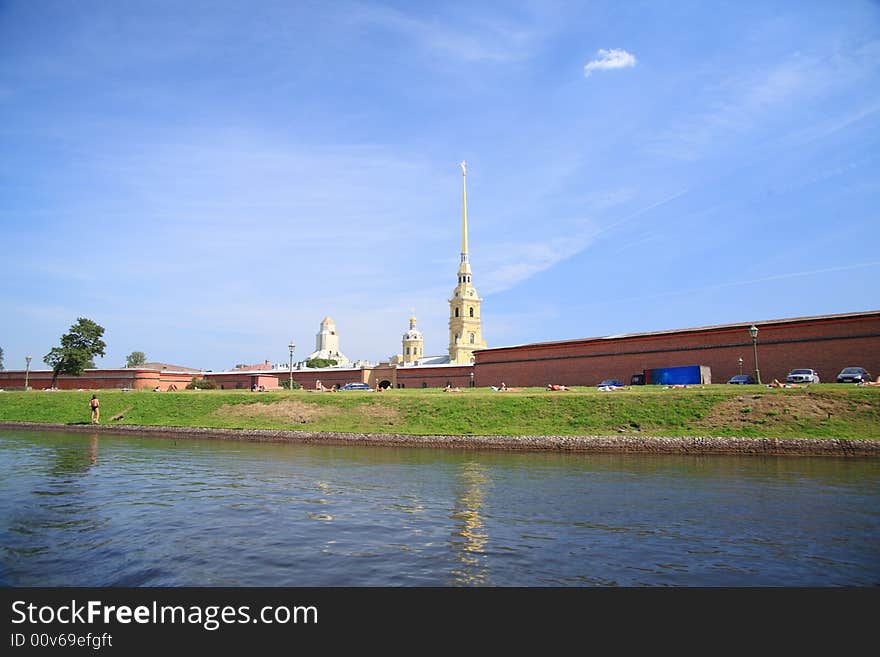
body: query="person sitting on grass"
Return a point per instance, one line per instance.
(556, 386)
(449, 388)
(870, 383)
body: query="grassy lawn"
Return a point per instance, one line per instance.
(819, 411)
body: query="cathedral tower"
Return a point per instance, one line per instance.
(327, 344)
(465, 327)
(413, 343)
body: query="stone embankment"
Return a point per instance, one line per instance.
(596, 444)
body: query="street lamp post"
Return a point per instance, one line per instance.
(740, 361)
(753, 331)
(472, 379)
(27, 372)
(291, 347)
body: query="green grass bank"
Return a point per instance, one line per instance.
(820, 411)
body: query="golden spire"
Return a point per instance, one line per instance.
(412, 318)
(464, 235)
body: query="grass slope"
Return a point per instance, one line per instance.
(821, 411)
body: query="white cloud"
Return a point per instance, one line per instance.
(610, 59)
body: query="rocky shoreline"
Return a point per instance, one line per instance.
(595, 444)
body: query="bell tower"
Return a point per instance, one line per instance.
(465, 326)
(413, 342)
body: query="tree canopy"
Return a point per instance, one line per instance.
(79, 346)
(1, 359)
(320, 362)
(136, 359)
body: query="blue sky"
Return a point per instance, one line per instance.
(209, 180)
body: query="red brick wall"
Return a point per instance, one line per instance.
(180, 380)
(434, 377)
(241, 381)
(90, 380)
(824, 344)
(328, 379)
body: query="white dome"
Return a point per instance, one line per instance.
(412, 335)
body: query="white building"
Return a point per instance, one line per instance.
(327, 344)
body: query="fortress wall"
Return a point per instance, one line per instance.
(90, 380)
(826, 344)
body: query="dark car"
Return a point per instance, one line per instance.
(853, 375)
(610, 383)
(356, 386)
(742, 379)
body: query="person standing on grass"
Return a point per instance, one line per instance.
(94, 405)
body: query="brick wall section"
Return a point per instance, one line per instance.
(434, 377)
(90, 380)
(826, 344)
(180, 380)
(328, 378)
(243, 381)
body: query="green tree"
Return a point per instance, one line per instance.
(320, 362)
(79, 346)
(1, 359)
(136, 359)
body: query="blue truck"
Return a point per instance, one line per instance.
(670, 376)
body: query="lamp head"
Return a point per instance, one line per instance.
(753, 331)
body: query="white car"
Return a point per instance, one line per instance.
(802, 376)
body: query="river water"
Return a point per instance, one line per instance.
(102, 510)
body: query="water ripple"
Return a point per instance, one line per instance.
(80, 510)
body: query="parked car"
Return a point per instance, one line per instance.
(742, 379)
(853, 375)
(802, 376)
(356, 386)
(610, 383)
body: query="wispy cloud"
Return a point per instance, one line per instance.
(509, 264)
(740, 283)
(741, 104)
(466, 38)
(607, 60)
